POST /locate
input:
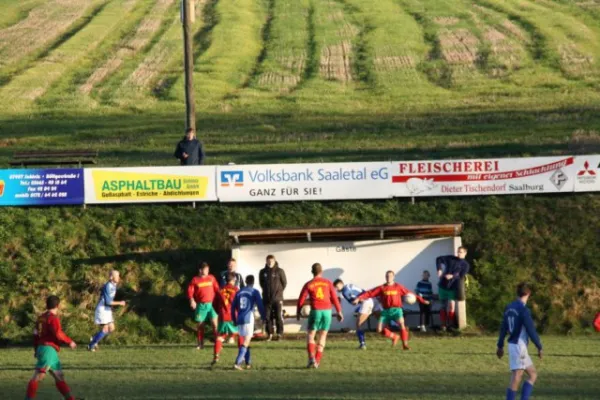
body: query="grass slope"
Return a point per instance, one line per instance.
(448, 368)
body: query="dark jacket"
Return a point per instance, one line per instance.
(194, 150)
(454, 266)
(272, 282)
(239, 280)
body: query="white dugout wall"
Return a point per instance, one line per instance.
(362, 263)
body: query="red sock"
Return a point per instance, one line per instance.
(451, 316)
(404, 335)
(32, 388)
(200, 335)
(319, 355)
(240, 341)
(387, 333)
(443, 317)
(597, 322)
(218, 345)
(64, 389)
(311, 348)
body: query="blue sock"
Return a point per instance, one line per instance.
(248, 357)
(526, 390)
(510, 395)
(241, 355)
(98, 337)
(361, 336)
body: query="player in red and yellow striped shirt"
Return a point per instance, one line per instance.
(48, 336)
(390, 296)
(322, 296)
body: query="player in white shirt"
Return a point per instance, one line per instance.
(103, 315)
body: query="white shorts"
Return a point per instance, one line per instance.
(366, 307)
(246, 330)
(103, 316)
(518, 357)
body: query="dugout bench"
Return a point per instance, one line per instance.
(59, 157)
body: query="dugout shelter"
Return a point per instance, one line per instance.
(360, 255)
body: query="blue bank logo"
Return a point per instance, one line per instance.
(232, 178)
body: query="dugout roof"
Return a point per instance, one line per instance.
(372, 232)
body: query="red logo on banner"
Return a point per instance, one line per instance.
(585, 171)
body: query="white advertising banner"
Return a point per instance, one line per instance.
(294, 182)
(149, 185)
(483, 177)
(587, 173)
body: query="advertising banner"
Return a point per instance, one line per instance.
(41, 187)
(587, 173)
(483, 177)
(149, 185)
(293, 182)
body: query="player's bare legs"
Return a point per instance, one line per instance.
(515, 379)
(385, 331)
(59, 379)
(311, 347)
(403, 334)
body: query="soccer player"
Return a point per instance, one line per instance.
(518, 324)
(597, 322)
(226, 326)
(451, 270)
(103, 315)
(48, 336)
(350, 292)
(201, 293)
(322, 296)
(390, 296)
(242, 312)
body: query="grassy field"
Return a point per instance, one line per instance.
(436, 368)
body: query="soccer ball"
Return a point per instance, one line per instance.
(305, 311)
(410, 298)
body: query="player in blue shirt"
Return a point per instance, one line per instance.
(518, 324)
(242, 314)
(103, 315)
(350, 292)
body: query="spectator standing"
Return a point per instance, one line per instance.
(425, 290)
(273, 282)
(189, 150)
(231, 269)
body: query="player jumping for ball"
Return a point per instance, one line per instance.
(226, 326)
(201, 293)
(390, 296)
(48, 336)
(243, 314)
(104, 315)
(518, 324)
(450, 269)
(350, 292)
(322, 296)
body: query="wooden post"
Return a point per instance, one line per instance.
(187, 18)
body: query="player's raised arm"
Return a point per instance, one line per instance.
(375, 292)
(531, 331)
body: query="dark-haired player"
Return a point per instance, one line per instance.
(201, 293)
(518, 324)
(350, 292)
(390, 296)
(48, 336)
(226, 326)
(243, 314)
(322, 297)
(450, 269)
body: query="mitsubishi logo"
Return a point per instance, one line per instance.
(588, 171)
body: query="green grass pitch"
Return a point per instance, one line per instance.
(436, 368)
